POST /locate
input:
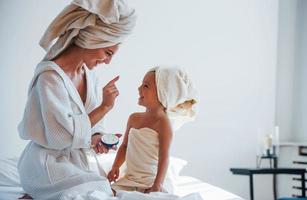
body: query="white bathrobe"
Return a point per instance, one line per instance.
(57, 124)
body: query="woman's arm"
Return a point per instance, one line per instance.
(110, 93)
(98, 113)
(165, 139)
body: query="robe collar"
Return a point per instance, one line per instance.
(72, 91)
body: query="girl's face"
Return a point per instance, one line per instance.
(93, 57)
(148, 91)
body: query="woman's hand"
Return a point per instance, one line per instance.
(97, 145)
(154, 188)
(113, 174)
(110, 93)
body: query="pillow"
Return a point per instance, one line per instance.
(8, 172)
(176, 165)
(173, 172)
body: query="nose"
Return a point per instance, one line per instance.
(107, 60)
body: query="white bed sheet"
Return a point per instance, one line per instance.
(184, 185)
(10, 187)
(10, 193)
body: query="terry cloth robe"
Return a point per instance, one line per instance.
(57, 124)
(142, 158)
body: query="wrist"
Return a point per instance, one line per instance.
(105, 107)
(157, 183)
(115, 167)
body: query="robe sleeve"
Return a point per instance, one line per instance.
(63, 128)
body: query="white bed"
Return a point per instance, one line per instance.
(186, 185)
(10, 188)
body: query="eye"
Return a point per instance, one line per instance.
(109, 53)
(145, 86)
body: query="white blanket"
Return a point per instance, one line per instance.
(124, 195)
(10, 186)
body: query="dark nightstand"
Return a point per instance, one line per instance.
(253, 171)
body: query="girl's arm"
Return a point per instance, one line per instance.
(121, 153)
(165, 139)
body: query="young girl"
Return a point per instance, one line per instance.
(168, 96)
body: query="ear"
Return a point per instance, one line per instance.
(118, 135)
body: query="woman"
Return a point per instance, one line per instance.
(66, 102)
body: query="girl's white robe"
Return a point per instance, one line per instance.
(57, 124)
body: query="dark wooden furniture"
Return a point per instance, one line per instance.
(256, 171)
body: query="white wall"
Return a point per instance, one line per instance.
(286, 60)
(291, 91)
(291, 95)
(228, 47)
(23, 24)
(300, 91)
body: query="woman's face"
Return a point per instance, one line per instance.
(93, 57)
(148, 91)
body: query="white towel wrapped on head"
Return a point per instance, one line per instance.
(89, 24)
(176, 93)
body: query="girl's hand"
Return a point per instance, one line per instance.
(113, 174)
(110, 93)
(97, 145)
(154, 188)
